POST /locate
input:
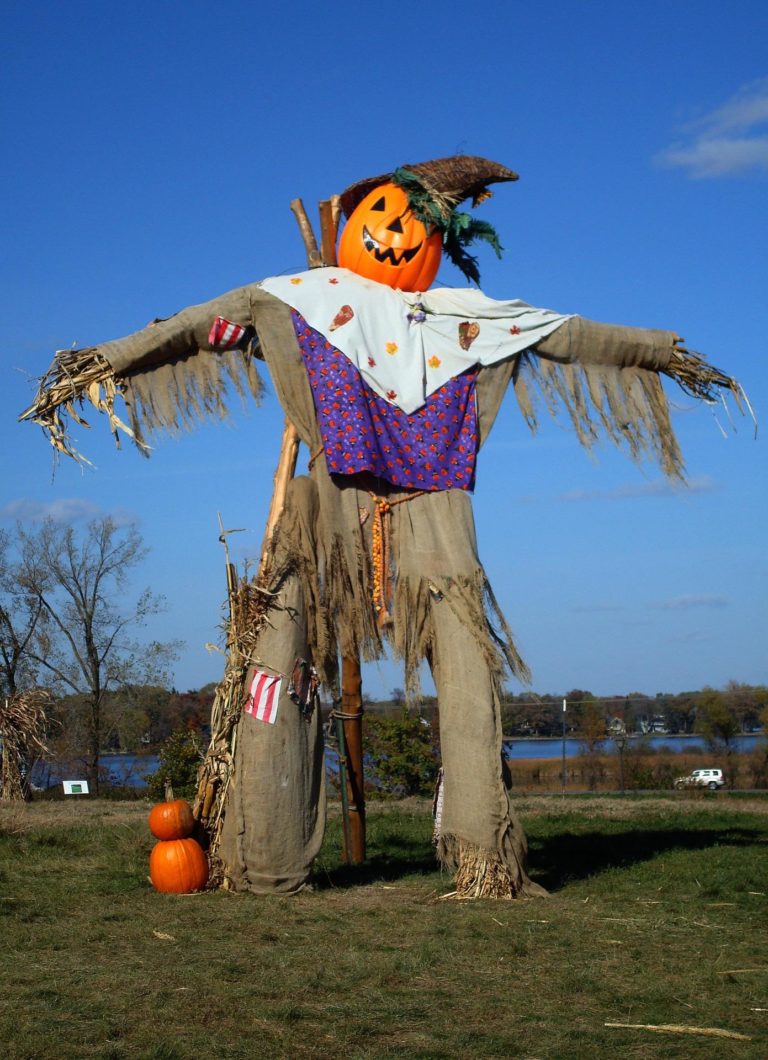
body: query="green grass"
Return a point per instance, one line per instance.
(659, 915)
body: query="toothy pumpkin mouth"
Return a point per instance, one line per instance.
(387, 253)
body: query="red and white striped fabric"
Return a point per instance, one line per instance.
(263, 696)
(224, 335)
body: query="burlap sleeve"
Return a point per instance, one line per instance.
(185, 334)
(584, 341)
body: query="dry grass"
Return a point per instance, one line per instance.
(656, 918)
(642, 770)
(633, 808)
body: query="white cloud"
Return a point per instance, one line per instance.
(692, 637)
(733, 138)
(596, 607)
(687, 603)
(657, 488)
(63, 510)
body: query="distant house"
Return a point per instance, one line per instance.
(654, 725)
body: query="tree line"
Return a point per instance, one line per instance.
(725, 713)
(76, 678)
(68, 629)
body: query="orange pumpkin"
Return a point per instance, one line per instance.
(178, 866)
(171, 820)
(383, 241)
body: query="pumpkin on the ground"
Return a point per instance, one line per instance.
(383, 241)
(178, 866)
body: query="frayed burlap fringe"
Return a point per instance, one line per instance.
(178, 395)
(348, 596)
(172, 396)
(472, 601)
(350, 621)
(482, 873)
(628, 404)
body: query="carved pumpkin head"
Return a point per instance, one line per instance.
(383, 241)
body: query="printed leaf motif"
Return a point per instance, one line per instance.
(468, 333)
(296, 279)
(514, 330)
(391, 348)
(434, 362)
(344, 315)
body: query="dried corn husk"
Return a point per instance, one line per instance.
(24, 722)
(249, 603)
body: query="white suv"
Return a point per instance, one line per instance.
(702, 778)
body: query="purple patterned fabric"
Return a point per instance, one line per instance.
(434, 448)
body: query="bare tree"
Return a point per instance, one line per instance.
(591, 729)
(82, 637)
(19, 616)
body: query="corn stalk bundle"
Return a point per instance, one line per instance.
(76, 375)
(483, 875)
(23, 727)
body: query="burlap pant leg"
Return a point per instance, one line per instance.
(275, 813)
(481, 835)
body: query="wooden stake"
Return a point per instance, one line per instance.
(310, 243)
(352, 710)
(231, 575)
(351, 697)
(330, 212)
(284, 472)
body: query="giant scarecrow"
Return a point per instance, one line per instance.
(393, 388)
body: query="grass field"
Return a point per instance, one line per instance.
(658, 915)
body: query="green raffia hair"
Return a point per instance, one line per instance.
(435, 210)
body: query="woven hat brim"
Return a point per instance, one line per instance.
(457, 177)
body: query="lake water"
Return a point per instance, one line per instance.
(552, 747)
(132, 770)
(129, 770)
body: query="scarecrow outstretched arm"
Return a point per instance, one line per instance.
(582, 341)
(586, 342)
(170, 374)
(607, 376)
(174, 372)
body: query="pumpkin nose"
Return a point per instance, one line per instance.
(396, 226)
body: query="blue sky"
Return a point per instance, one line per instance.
(151, 153)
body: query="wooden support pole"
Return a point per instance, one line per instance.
(330, 212)
(352, 709)
(286, 468)
(351, 696)
(310, 243)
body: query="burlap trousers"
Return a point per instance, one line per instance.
(274, 817)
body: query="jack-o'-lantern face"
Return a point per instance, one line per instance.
(383, 241)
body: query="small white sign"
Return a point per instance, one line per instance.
(75, 787)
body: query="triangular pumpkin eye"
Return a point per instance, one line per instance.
(380, 204)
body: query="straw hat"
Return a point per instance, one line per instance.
(448, 180)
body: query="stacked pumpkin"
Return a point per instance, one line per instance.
(177, 864)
